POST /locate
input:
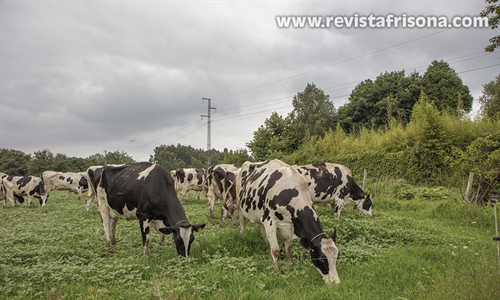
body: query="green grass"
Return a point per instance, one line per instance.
(410, 249)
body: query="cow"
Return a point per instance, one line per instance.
(219, 179)
(189, 179)
(16, 187)
(3, 196)
(71, 182)
(276, 196)
(92, 181)
(19, 199)
(146, 192)
(333, 184)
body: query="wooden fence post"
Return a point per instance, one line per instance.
(469, 187)
(364, 178)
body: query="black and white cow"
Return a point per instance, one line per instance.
(3, 196)
(146, 192)
(276, 196)
(93, 175)
(333, 184)
(69, 181)
(189, 179)
(19, 200)
(15, 187)
(219, 179)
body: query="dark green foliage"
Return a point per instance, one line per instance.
(492, 11)
(434, 148)
(313, 112)
(17, 163)
(313, 115)
(14, 162)
(238, 156)
(490, 100)
(272, 138)
(445, 88)
(173, 157)
(373, 103)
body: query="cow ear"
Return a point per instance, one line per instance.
(167, 230)
(198, 227)
(334, 235)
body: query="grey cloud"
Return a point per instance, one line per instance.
(81, 77)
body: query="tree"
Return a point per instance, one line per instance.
(445, 88)
(427, 143)
(492, 11)
(373, 103)
(14, 162)
(239, 156)
(42, 160)
(314, 113)
(173, 157)
(490, 100)
(268, 140)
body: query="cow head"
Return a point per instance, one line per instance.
(324, 254)
(39, 193)
(365, 205)
(183, 235)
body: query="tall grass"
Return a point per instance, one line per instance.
(414, 249)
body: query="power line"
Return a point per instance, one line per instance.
(168, 134)
(478, 69)
(330, 65)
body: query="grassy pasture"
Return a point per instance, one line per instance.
(423, 248)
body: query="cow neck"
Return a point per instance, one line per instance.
(307, 225)
(174, 212)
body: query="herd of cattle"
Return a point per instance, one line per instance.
(273, 194)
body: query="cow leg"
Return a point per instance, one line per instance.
(10, 196)
(337, 206)
(29, 200)
(242, 222)
(67, 196)
(156, 225)
(146, 236)
(223, 214)
(79, 191)
(271, 237)
(112, 231)
(286, 232)
(198, 195)
(183, 193)
(211, 204)
(106, 219)
(88, 201)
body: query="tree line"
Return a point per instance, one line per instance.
(412, 127)
(18, 163)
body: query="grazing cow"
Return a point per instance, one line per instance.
(189, 179)
(16, 187)
(3, 197)
(71, 182)
(333, 184)
(275, 195)
(219, 179)
(142, 191)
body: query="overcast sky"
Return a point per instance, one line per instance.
(82, 77)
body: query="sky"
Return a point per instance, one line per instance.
(85, 77)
